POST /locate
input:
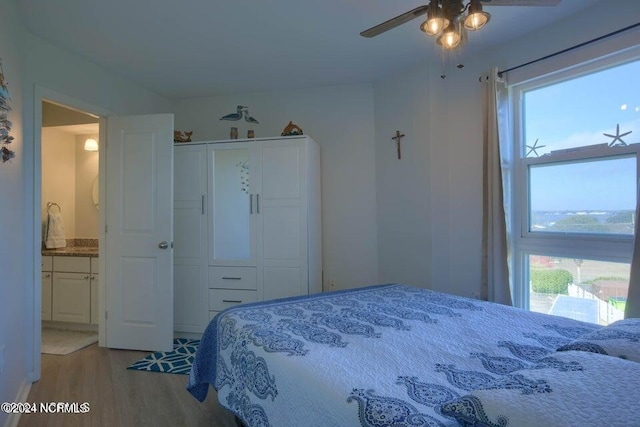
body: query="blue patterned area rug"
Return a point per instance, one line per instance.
(177, 361)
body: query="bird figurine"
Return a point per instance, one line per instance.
(234, 116)
(248, 118)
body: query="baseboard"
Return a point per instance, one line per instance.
(22, 396)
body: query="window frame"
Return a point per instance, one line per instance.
(594, 246)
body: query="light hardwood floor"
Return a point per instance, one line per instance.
(118, 397)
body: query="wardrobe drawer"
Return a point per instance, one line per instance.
(219, 299)
(233, 278)
(72, 264)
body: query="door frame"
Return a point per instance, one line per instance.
(33, 209)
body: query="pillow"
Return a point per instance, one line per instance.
(600, 391)
(620, 339)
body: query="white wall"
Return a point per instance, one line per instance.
(403, 185)
(447, 116)
(68, 172)
(86, 172)
(13, 326)
(59, 176)
(341, 120)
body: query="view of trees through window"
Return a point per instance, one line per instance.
(584, 205)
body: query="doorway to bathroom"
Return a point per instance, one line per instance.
(69, 229)
(136, 317)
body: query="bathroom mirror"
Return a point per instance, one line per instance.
(94, 192)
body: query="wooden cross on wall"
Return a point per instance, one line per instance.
(397, 139)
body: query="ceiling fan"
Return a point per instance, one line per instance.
(447, 19)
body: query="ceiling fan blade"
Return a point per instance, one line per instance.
(521, 2)
(394, 22)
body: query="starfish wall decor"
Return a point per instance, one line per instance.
(533, 148)
(617, 137)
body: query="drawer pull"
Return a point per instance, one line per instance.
(47, 276)
(232, 301)
(231, 278)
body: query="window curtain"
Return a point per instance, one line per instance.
(496, 148)
(632, 308)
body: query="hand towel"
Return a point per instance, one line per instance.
(55, 237)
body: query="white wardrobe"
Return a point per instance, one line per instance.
(247, 224)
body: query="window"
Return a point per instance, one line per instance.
(594, 195)
(575, 188)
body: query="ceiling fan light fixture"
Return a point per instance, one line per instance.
(433, 26)
(476, 18)
(436, 21)
(451, 37)
(449, 20)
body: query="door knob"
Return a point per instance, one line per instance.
(163, 245)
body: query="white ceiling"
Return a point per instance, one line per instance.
(195, 48)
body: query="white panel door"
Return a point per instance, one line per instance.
(139, 221)
(282, 282)
(190, 237)
(283, 218)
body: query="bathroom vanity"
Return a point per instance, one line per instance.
(70, 285)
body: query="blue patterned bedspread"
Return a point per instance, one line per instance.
(376, 356)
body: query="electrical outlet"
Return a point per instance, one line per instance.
(1, 359)
(332, 284)
(476, 295)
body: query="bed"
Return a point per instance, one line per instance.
(393, 355)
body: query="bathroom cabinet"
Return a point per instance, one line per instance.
(247, 225)
(71, 297)
(94, 280)
(70, 289)
(47, 277)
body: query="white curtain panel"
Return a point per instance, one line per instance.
(632, 309)
(495, 249)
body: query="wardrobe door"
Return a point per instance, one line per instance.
(190, 234)
(232, 205)
(282, 217)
